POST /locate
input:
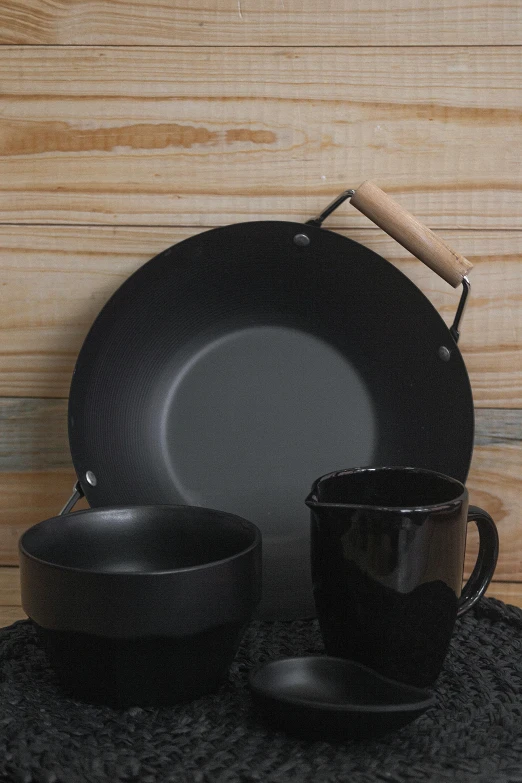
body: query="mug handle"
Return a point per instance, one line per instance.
(484, 569)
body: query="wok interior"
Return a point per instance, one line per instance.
(141, 539)
(388, 487)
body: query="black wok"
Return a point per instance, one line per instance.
(236, 366)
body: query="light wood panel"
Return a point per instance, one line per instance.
(56, 279)
(202, 136)
(254, 23)
(9, 587)
(494, 485)
(249, 111)
(36, 475)
(27, 498)
(510, 593)
(33, 435)
(10, 614)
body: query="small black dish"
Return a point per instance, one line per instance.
(320, 697)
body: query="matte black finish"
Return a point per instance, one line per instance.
(387, 562)
(141, 605)
(331, 698)
(235, 366)
(144, 671)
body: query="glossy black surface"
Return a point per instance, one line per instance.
(331, 698)
(139, 604)
(387, 550)
(236, 366)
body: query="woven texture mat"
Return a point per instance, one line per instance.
(474, 733)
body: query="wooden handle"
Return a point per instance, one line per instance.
(410, 233)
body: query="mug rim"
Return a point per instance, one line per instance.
(312, 500)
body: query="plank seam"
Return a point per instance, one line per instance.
(220, 225)
(260, 46)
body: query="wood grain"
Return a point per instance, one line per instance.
(37, 475)
(10, 614)
(207, 135)
(27, 498)
(33, 435)
(56, 279)
(286, 22)
(249, 111)
(494, 485)
(9, 587)
(510, 593)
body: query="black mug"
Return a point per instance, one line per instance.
(387, 548)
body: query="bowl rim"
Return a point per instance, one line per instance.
(126, 574)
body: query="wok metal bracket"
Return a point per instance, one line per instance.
(77, 495)
(454, 328)
(466, 285)
(318, 221)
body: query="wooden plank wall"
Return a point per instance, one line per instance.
(128, 125)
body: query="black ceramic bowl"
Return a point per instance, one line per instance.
(144, 605)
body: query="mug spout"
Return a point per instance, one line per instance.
(312, 501)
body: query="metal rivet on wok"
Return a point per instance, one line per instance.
(301, 240)
(444, 353)
(90, 478)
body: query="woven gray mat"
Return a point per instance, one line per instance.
(474, 733)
